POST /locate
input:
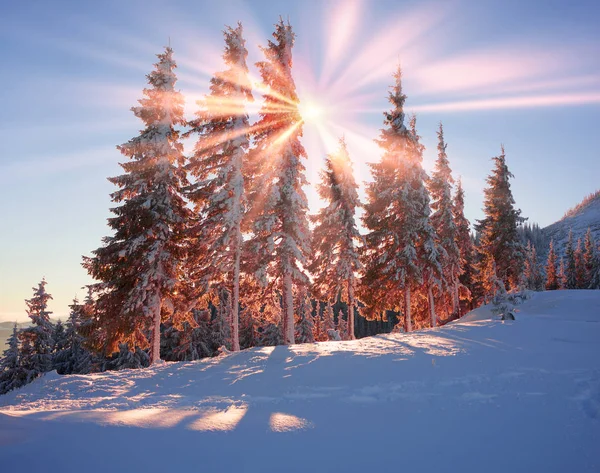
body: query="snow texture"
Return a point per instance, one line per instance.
(517, 396)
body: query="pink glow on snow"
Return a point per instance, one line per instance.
(280, 422)
(219, 420)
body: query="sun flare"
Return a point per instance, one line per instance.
(311, 112)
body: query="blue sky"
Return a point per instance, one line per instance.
(526, 74)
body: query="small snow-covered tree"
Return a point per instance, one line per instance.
(221, 324)
(73, 356)
(342, 327)
(37, 339)
(59, 337)
(580, 275)
(400, 243)
(465, 245)
(443, 222)
(127, 359)
(591, 262)
(562, 277)
(304, 320)
(335, 239)
(499, 237)
(12, 374)
(328, 319)
(215, 248)
(552, 282)
(139, 265)
(279, 244)
(532, 275)
(248, 329)
(570, 268)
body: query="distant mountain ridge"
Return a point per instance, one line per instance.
(578, 219)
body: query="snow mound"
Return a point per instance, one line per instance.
(447, 399)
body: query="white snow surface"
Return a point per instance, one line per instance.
(475, 395)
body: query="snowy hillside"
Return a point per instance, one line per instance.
(6, 329)
(582, 216)
(477, 395)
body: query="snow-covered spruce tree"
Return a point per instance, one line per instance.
(138, 266)
(127, 359)
(499, 238)
(248, 332)
(532, 274)
(304, 319)
(570, 266)
(442, 220)
(400, 238)
(218, 195)
(580, 266)
(221, 323)
(335, 238)
(278, 220)
(591, 261)
(328, 320)
(429, 252)
(465, 246)
(12, 374)
(342, 327)
(562, 278)
(37, 339)
(59, 338)
(552, 282)
(73, 357)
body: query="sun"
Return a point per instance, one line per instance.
(310, 112)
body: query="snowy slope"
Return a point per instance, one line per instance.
(6, 330)
(471, 396)
(579, 219)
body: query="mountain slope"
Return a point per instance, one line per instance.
(477, 395)
(579, 219)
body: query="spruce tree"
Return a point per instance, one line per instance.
(580, 274)
(12, 374)
(342, 326)
(328, 321)
(570, 266)
(562, 277)
(430, 253)
(532, 275)
(591, 262)
(443, 222)
(138, 266)
(499, 238)
(73, 356)
(218, 195)
(221, 324)
(37, 339)
(305, 323)
(400, 247)
(59, 338)
(464, 243)
(335, 237)
(552, 282)
(280, 243)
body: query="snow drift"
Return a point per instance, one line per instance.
(476, 395)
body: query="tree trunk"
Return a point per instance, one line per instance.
(431, 306)
(351, 311)
(407, 315)
(288, 304)
(155, 340)
(457, 299)
(235, 304)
